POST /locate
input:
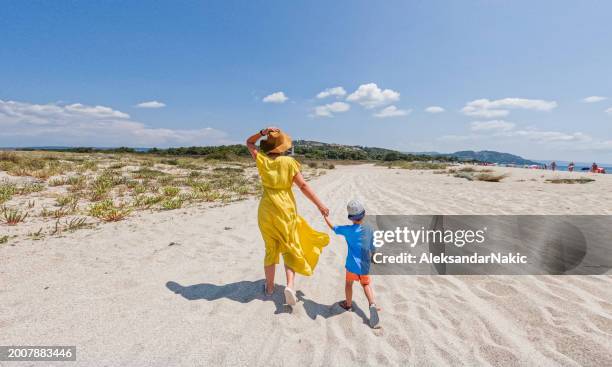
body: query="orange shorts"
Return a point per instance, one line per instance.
(363, 279)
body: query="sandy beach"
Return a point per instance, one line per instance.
(184, 287)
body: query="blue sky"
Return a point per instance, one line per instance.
(504, 75)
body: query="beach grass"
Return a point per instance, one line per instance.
(58, 189)
(490, 177)
(417, 165)
(581, 180)
(13, 216)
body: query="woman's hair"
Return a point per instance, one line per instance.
(265, 146)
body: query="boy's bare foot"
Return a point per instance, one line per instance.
(344, 305)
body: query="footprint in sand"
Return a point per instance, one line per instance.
(498, 356)
(399, 343)
(500, 289)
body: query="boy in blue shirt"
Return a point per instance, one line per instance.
(359, 239)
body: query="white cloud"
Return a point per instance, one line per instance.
(493, 125)
(81, 125)
(371, 96)
(434, 109)
(277, 97)
(151, 104)
(335, 91)
(391, 111)
(500, 107)
(329, 109)
(609, 111)
(502, 128)
(593, 99)
(551, 136)
(95, 111)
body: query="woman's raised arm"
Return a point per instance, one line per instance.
(250, 143)
(299, 181)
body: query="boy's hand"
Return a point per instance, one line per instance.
(329, 223)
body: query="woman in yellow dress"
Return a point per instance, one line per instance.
(284, 232)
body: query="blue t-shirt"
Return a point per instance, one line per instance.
(360, 246)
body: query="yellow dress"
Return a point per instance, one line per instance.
(283, 230)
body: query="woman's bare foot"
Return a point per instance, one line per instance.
(268, 291)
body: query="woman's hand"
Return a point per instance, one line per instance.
(324, 210)
(269, 129)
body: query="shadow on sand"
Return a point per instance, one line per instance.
(246, 291)
(314, 309)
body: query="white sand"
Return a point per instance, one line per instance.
(108, 290)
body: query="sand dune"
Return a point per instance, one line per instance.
(124, 296)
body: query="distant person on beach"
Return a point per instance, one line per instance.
(570, 167)
(594, 167)
(284, 232)
(359, 239)
(553, 165)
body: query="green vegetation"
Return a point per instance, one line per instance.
(581, 180)
(76, 223)
(147, 173)
(108, 212)
(13, 216)
(306, 149)
(171, 204)
(92, 184)
(475, 175)
(416, 165)
(171, 191)
(490, 177)
(7, 190)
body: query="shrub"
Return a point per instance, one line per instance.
(108, 212)
(488, 177)
(581, 180)
(418, 165)
(76, 223)
(7, 190)
(140, 189)
(147, 173)
(228, 169)
(29, 188)
(170, 191)
(88, 166)
(171, 204)
(13, 216)
(67, 200)
(147, 201)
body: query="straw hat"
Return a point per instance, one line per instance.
(276, 143)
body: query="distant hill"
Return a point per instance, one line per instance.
(492, 157)
(484, 156)
(319, 150)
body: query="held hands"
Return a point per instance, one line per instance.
(324, 210)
